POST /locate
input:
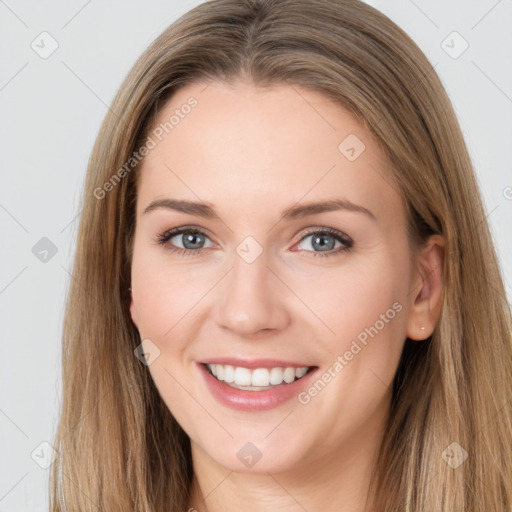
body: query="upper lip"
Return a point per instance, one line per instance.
(254, 363)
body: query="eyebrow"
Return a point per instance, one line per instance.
(298, 211)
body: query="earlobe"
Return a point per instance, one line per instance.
(426, 296)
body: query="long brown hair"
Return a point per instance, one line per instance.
(119, 446)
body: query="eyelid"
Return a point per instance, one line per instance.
(164, 236)
(187, 227)
(330, 231)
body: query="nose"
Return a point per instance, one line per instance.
(252, 299)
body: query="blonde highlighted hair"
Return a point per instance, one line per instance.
(119, 447)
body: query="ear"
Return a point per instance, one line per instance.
(133, 310)
(426, 289)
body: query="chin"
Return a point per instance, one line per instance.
(258, 456)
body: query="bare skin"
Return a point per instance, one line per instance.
(252, 153)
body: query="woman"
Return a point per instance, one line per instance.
(285, 292)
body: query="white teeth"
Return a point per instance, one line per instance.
(242, 376)
(300, 372)
(229, 373)
(258, 378)
(289, 375)
(276, 376)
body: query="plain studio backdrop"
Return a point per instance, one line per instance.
(61, 65)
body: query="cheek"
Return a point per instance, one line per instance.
(363, 313)
(163, 293)
(164, 298)
(353, 297)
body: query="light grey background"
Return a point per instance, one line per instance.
(51, 109)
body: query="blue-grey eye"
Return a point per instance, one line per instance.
(321, 242)
(190, 240)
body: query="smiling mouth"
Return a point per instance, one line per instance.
(259, 379)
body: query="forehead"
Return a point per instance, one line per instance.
(243, 147)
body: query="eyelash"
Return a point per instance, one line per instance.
(164, 237)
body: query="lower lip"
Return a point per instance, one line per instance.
(244, 400)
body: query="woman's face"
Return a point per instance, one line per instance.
(262, 280)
